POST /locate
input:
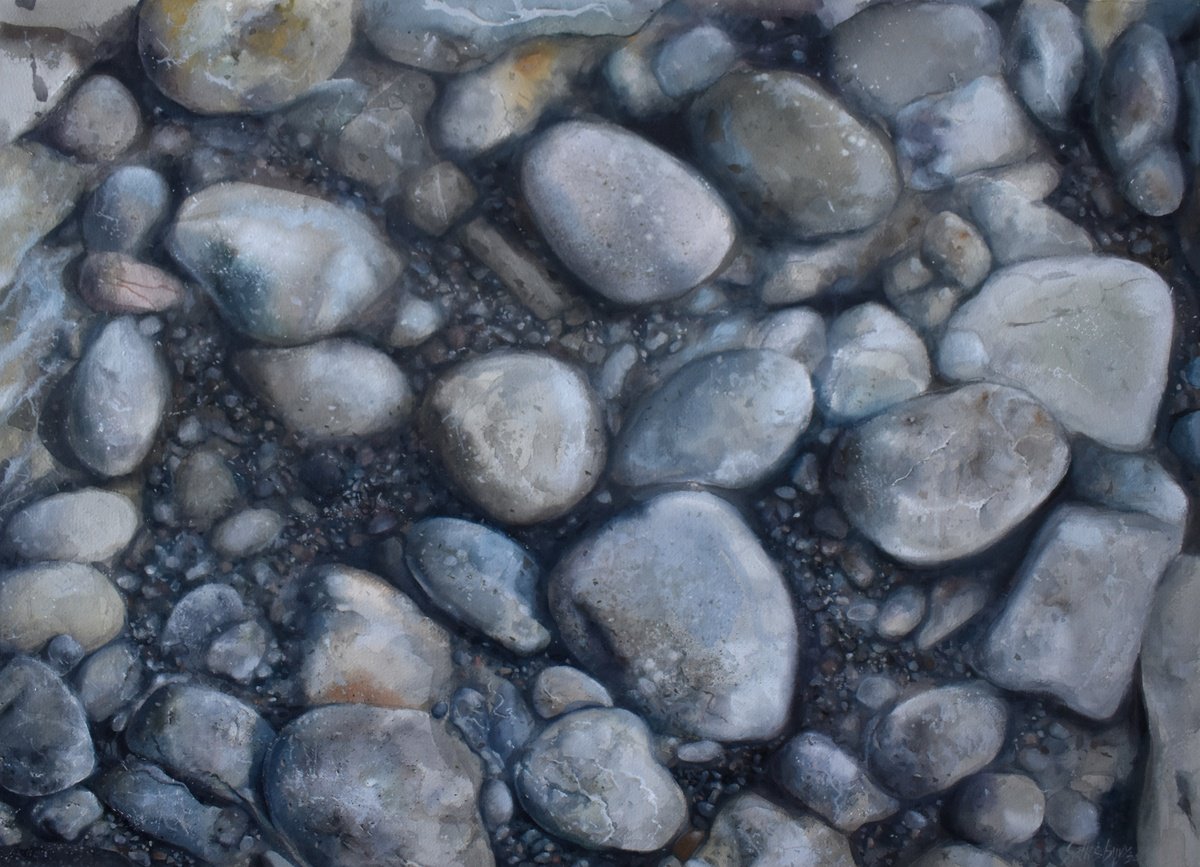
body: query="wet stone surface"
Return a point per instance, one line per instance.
(599, 432)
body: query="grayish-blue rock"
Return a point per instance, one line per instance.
(520, 432)
(118, 396)
(41, 601)
(946, 475)
(247, 532)
(933, 739)
(1019, 228)
(481, 577)
(794, 157)
(891, 54)
(66, 815)
(204, 737)
(676, 605)
(1170, 666)
(45, 745)
(458, 34)
(83, 526)
(592, 778)
(282, 267)
(831, 782)
(998, 810)
(874, 360)
(630, 220)
(1129, 482)
(694, 59)
(942, 138)
(1072, 625)
(360, 786)
(1088, 336)
(561, 689)
(126, 210)
(749, 829)
(1045, 59)
(1138, 100)
(960, 855)
(330, 389)
(727, 420)
(108, 679)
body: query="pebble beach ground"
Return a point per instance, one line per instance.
(616, 434)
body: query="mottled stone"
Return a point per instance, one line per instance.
(1045, 59)
(117, 283)
(45, 745)
(519, 432)
(216, 57)
(998, 810)
(561, 689)
(794, 157)
(126, 211)
(281, 266)
(99, 122)
(749, 829)
(1072, 625)
(592, 778)
(946, 475)
(831, 782)
(361, 786)
(721, 666)
(630, 220)
(727, 420)
(1088, 336)
(931, 740)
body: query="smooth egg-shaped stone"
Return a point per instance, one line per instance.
(630, 220)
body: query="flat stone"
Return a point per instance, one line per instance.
(282, 267)
(1088, 336)
(522, 272)
(459, 34)
(831, 782)
(117, 283)
(520, 432)
(204, 737)
(947, 475)
(1045, 59)
(998, 810)
(561, 689)
(215, 57)
(331, 389)
(1170, 664)
(197, 618)
(794, 157)
(83, 526)
(980, 126)
(366, 642)
(592, 778)
(890, 55)
(48, 599)
(629, 219)
(723, 665)
(931, 740)
(361, 786)
(1019, 228)
(728, 420)
(873, 361)
(118, 397)
(45, 745)
(1072, 625)
(749, 829)
(481, 577)
(163, 808)
(36, 71)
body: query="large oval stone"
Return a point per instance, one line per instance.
(796, 159)
(281, 266)
(218, 56)
(946, 475)
(677, 604)
(633, 222)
